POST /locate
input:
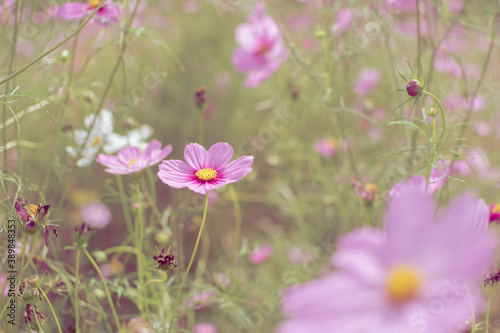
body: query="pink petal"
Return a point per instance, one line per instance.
(245, 61)
(219, 155)
(196, 156)
(237, 169)
(177, 174)
(128, 154)
(73, 11)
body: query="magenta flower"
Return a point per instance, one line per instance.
(420, 274)
(79, 10)
(494, 212)
(367, 81)
(130, 160)
(261, 48)
(205, 171)
(261, 254)
(327, 147)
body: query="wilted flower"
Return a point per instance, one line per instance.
(492, 277)
(205, 171)
(132, 160)
(389, 279)
(165, 260)
(78, 10)
(32, 315)
(33, 217)
(81, 234)
(103, 126)
(261, 47)
(201, 97)
(28, 290)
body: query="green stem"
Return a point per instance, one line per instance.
(487, 320)
(77, 286)
(37, 321)
(200, 128)
(123, 201)
(108, 294)
(139, 232)
(237, 232)
(52, 309)
(146, 290)
(441, 110)
(189, 265)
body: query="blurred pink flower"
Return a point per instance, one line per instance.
(473, 160)
(95, 214)
(390, 280)
(494, 212)
(79, 10)
(483, 129)
(130, 160)
(205, 171)
(298, 256)
(261, 48)
(476, 104)
(418, 183)
(261, 254)
(327, 147)
(202, 299)
(343, 21)
(367, 80)
(205, 328)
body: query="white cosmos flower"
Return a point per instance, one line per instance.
(134, 138)
(97, 136)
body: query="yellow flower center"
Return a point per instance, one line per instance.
(131, 162)
(403, 283)
(96, 142)
(206, 174)
(332, 142)
(371, 187)
(32, 210)
(496, 209)
(94, 3)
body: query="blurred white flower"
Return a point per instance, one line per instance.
(134, 138)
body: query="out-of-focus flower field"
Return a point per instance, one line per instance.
(239, 166)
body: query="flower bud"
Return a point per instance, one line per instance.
(414, 88)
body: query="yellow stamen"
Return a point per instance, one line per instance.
(94, 3)
(96, 142)
(131, 162)
(206, 174)
(32, 210)
(371, 187)
(403, 283)
(496, 209)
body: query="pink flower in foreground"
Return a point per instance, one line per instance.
(130, 160)
(79, 10)
(418, 183)
(261, 254)
(417, 275)
(95, 214)
(261, 48)
(205, 171)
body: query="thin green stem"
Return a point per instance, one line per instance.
(200, 128)
(77, 287)
(39, 326)
(124, 203)
(441, 110)
(108, 294)
(146, 290)
(189, 265)
(52, 309)
(139, 232)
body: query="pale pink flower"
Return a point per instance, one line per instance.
(95, 214)
(418, 183)
(131, 159)
(423, 262)
(79, 10)
(261, 48)
(298, 256)
(343, 21)
(367, 81)
(261, 254)
(205, 328)
(327, 147)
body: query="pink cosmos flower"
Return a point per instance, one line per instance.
(419, 274)
(261, 48)
(79, 10)
(327, 147)
(261, 254)
(343, 21)
(494, 212)
(95, 214)
(205, 171)
(130, 160)
(205, 328)
(367, 80)
(418, 183)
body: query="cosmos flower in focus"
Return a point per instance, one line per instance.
(205, 171)
(423, 262)
(261, 47)
(103, 126)
(131, 159)
(79, 10)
